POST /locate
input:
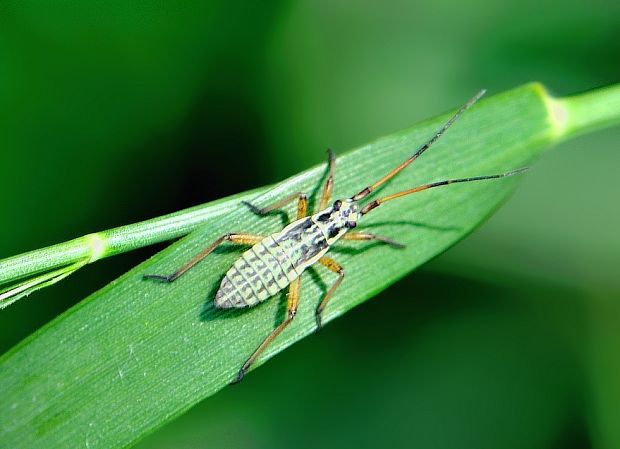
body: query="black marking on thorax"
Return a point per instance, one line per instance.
(324, 218)
(308, 239)
(333, 232)
(297, 232)
(311, 249)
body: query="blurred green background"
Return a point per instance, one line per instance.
(113, 112)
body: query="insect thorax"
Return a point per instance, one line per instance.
(337, 219)
(308, 239)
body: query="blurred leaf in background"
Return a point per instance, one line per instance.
(508, 340)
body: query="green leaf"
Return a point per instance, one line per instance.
(135, 354)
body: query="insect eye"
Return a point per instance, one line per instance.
(337, 205)
(351, 224)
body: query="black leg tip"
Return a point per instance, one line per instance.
(319, 322)
(239, 378)
(158, 278)
(253, 208)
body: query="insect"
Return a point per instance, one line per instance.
(277, 261)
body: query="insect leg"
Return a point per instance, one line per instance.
(329, 183)
(278, 204)
(302, 206)
(334, 266)
(291, 311)
(369, 236)
(242, 239)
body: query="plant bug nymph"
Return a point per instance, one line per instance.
(277, 261)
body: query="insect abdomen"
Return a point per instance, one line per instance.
(261, 272)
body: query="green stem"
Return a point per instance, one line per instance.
(589, 111)
(74, 254)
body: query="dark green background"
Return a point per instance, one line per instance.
(113, 112)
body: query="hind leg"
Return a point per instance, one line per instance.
(291, 311)
(241, 239)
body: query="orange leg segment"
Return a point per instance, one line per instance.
(369, 236)
(335, 267)
(329, 183)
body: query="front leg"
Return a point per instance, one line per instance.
(302, 205)
(329, 182)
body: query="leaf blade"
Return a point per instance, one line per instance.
(135, 354)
